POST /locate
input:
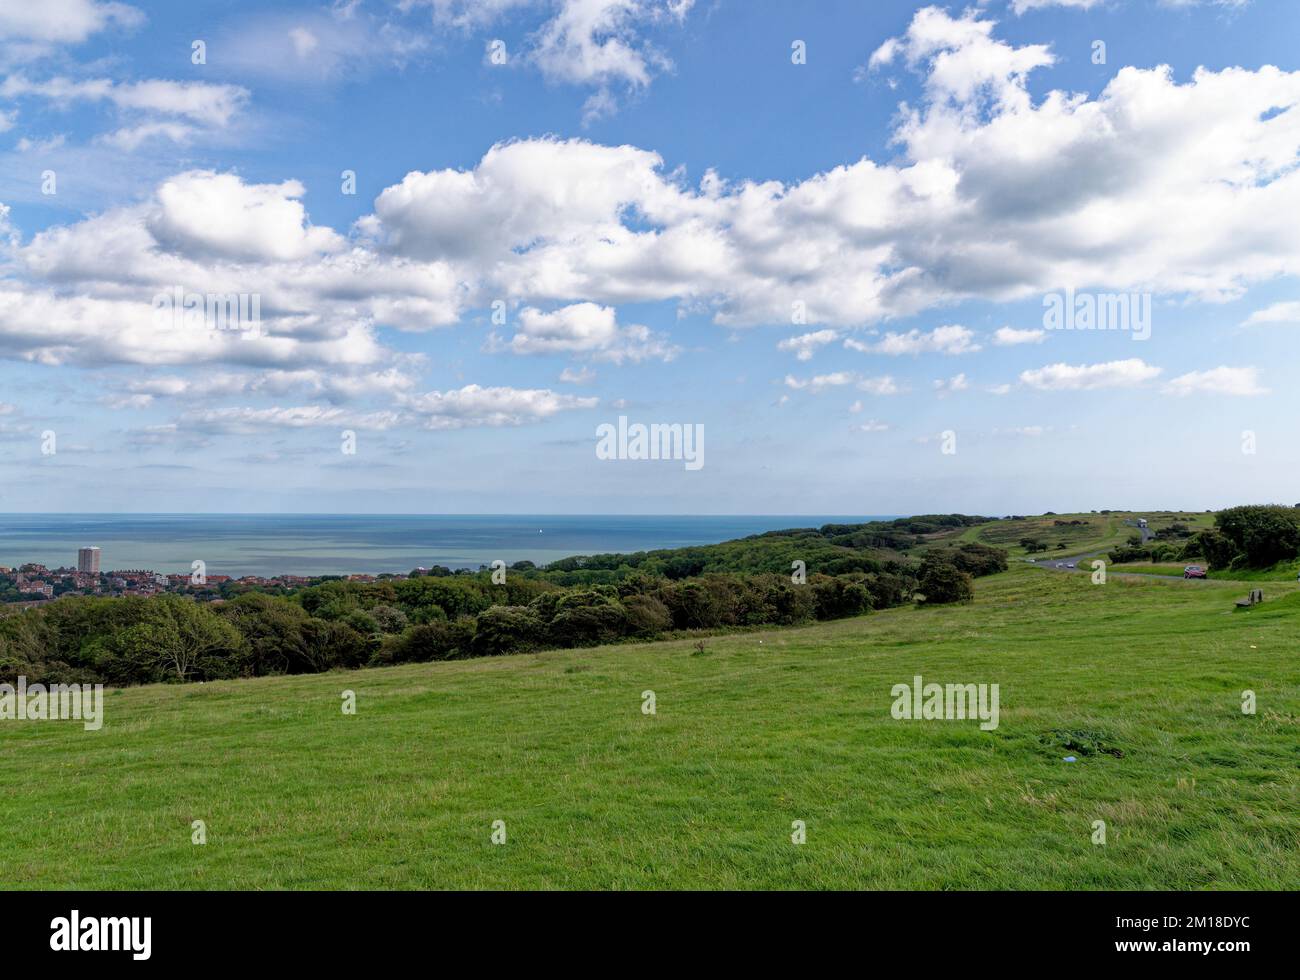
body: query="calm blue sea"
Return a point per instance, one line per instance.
(328, 544)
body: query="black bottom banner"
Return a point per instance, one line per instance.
(140, 930)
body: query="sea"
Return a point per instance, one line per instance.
(341, 544)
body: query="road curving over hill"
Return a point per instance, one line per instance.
(1083, 563)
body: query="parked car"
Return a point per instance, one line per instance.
(1193, 571)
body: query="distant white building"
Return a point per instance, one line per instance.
(88, 560)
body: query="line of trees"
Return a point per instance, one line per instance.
(135, 640)
(344, 625)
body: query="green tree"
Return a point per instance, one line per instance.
(942, 582)
(507, 629)
(1265, 535)
(272, 630)
(182, 638)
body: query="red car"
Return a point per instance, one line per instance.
(1193, 571)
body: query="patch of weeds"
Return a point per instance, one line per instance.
(1085, 741)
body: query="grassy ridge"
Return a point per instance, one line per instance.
(1095, 533)
(763, 729)
(1101, 532)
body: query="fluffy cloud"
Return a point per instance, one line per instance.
(581, 327)
(820, 382)
(1152, 186)
(577, 376)
(590, 41)
(1286, 312)
(1087, 377)
(950, 340)
(63, 21)
(204, 213)
(50, 328)
(964, 64)
(474, 405)
(85, 293)
(805, 345)
(597, 43)
(956, 383)
(129, 138)
(588, 329)
(1010, 336)
(1243, 381)
(884, 385)
(199, 102)
(548, 196)
(997, 197)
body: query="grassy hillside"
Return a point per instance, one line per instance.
(1093, 533)
(829, 549)
(1080, 533)
(1281, 572)
(762, 729)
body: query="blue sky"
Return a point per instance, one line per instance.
(828, 265)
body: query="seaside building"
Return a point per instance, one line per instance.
(88, 560)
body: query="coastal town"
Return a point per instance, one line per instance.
(34, 584)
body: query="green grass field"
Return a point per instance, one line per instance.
(1099, 532)
(1150, 568)
(1094, 534)
(761, 730)
(1281, 572)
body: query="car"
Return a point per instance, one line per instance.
(1193, 571)
(1069, 564)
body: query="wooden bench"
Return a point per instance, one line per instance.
(1255, 598)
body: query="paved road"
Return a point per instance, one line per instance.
(1083, 563)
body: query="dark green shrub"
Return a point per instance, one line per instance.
(646, 616)
(837, 598)
(585, 626)
(507, 629)
(941, 582)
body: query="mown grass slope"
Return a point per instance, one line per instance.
(763, 729)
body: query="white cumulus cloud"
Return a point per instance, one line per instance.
(805, 345)
(1087, 377)
(1236, 381)
(1010, 336)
